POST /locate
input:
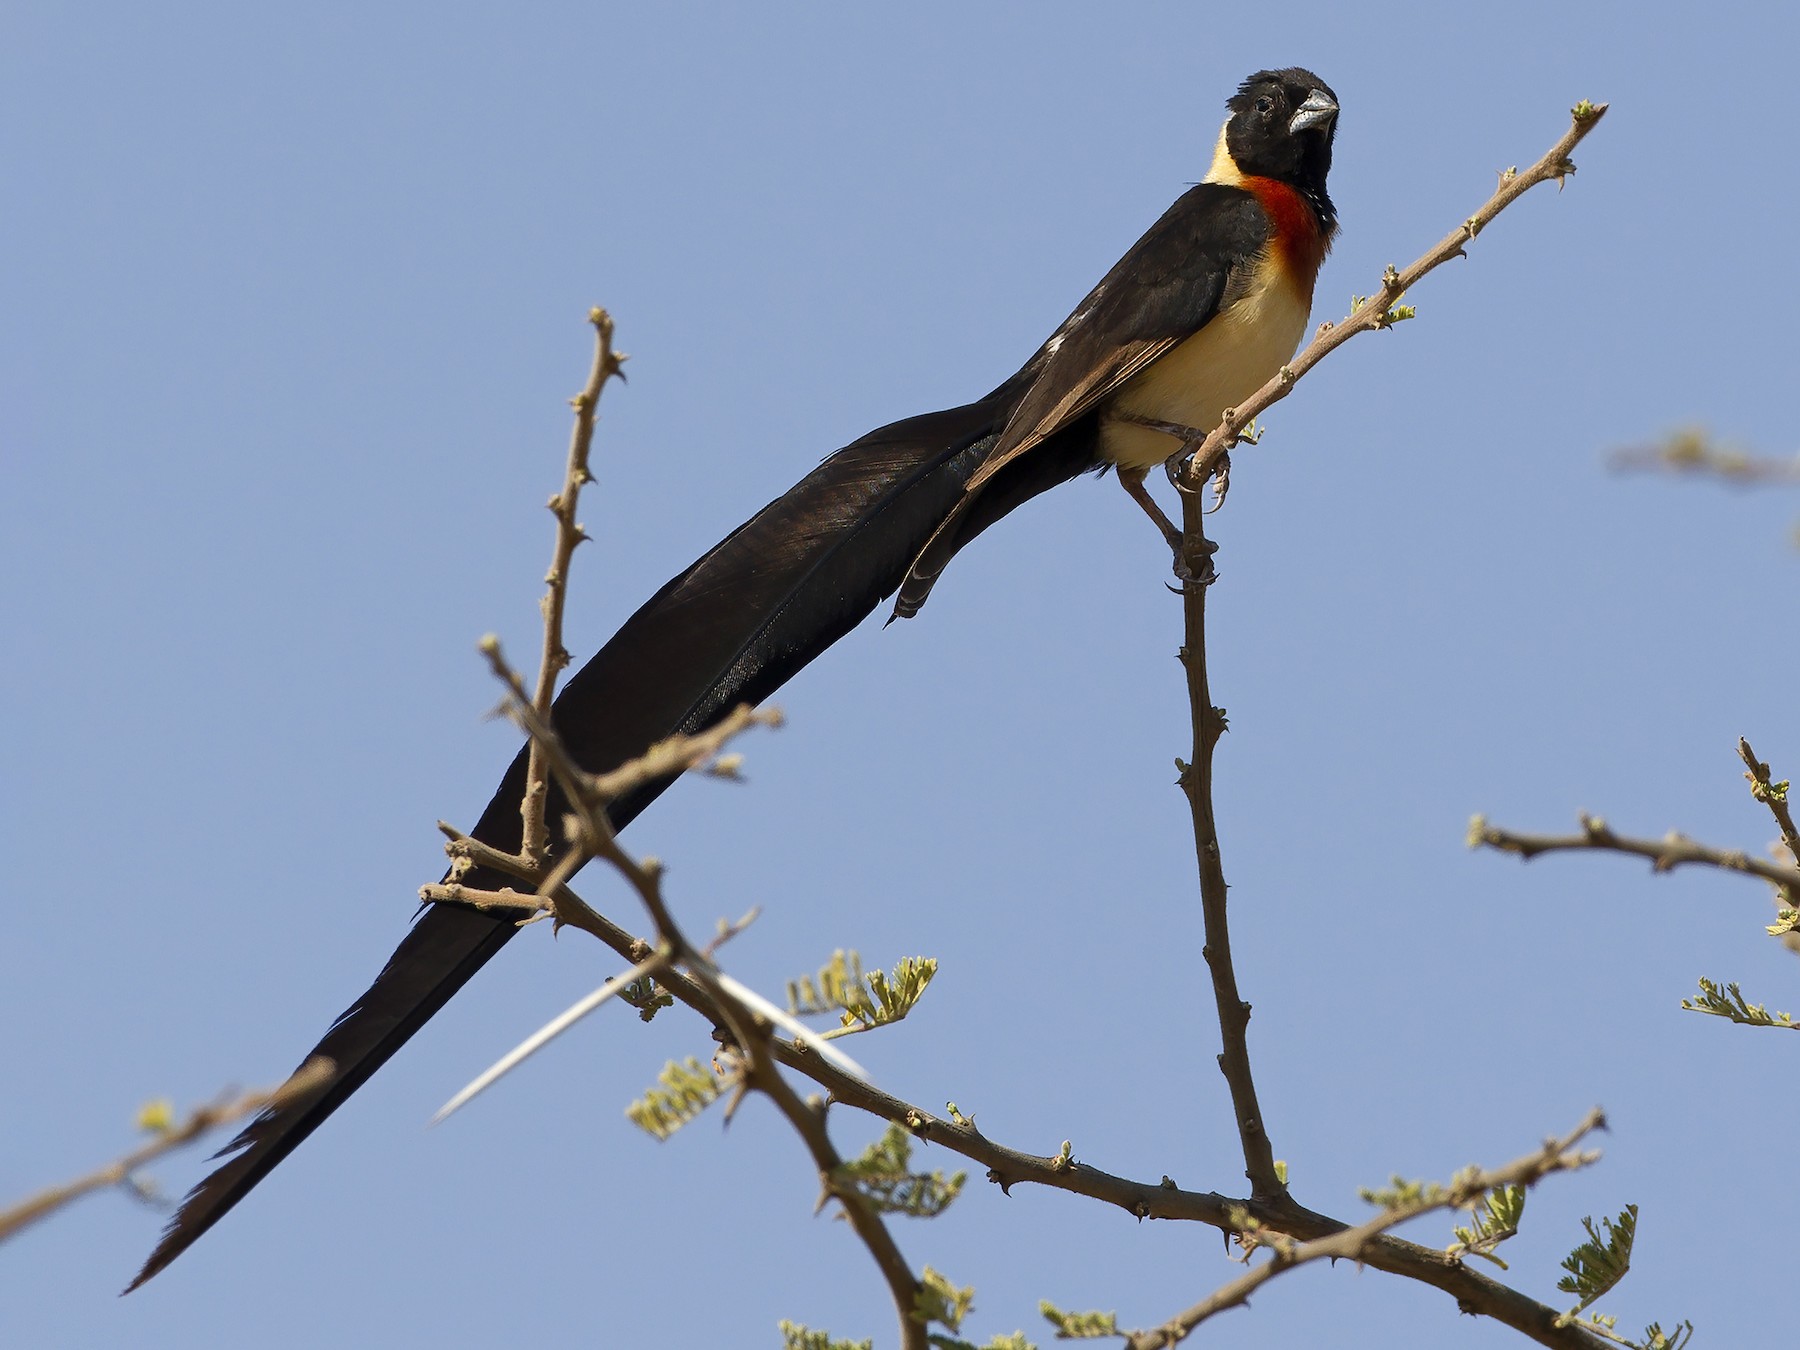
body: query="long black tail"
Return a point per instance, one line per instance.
(732, 628)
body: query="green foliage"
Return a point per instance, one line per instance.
(157, 1117)
(644, 995)
(1655, 1338)
(1396, 313)
(883, 1177)
(1494, 1218)
(1082, 1326)
(941, 1301)
(1729, 1002)
(1400, 1193)
(1768, 792)
(1786, 921)
(1599, 1263)
(797, 1337)
(686, 1090)
(862, 1000)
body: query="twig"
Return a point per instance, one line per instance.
(1374, 312)
(1208, 722)
(589, 795)
(1772, 795)
(1692, 451)
(808, 1119)
(1665, 854)
(590, 834)
(1557, 1155)
(307, 1079)
(1007, 1167)
(1196, 781)
(748, 1026)
(569, 534)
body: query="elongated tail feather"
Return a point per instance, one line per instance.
(730, 629)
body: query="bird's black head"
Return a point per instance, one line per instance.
(1281, 126)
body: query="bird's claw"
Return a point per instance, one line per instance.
(1193, 572)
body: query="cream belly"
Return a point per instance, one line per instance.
(1218, 368)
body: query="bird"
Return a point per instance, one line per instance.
(1199, 313)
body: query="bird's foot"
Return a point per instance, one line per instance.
(1196, 571)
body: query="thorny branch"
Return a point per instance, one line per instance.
(1208, 456)
(755, 1040)
(1164, 1199)
(306, 1080)
(569, 535)
(1204, 457)
(1665, 854)
(590, 834)
(1196, 781)
(1557, 1155)
(1772, 795)
(1280, 1221)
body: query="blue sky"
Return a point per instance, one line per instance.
(294, 303)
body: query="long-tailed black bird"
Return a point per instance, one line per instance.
(1196, 316)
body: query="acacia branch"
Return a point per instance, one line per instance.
(589, 795)
(1376, 311)
(1164, 1199)
(309, 1078)
(755, 1040)
(589, 834)
(569, 535)
(1692, 451)
(1556, 1155)
(1774, 796)
(1196, 781)
(1665, 854)
(1209, 457)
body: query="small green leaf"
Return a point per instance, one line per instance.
(686, 1090)
(797, 1337)
(941, 1301)
(1598, 1264)
(1729, 1002)
(1495, 1218)
(645, 995)
(158, 1117)
(883, 1177)
(862, 1000)
(1400, 1193)
(1079, 1326)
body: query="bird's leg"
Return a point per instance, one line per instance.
(1132, 480)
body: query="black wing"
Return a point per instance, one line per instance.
(1166, 288)
(1187, 267)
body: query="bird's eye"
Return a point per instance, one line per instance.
(1265, 105)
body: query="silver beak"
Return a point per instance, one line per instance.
(1317, 111)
